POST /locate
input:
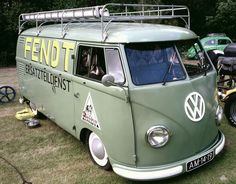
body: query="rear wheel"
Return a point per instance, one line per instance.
(97, 151)
(230, 109)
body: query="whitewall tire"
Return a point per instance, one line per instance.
(98, 151)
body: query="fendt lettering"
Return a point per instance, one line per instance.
(48, 51)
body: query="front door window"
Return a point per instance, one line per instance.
(91, 63)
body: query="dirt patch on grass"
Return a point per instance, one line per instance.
(8, 77)
(6, 111)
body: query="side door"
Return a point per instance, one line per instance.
(104, 110)
(59, 100)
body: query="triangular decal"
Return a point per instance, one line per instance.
(89, 114)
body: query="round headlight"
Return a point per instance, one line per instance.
(157, 136)
(219, 114)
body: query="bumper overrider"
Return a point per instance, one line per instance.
(172, 169)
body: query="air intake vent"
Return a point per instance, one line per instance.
(20, 70)
(21, 39)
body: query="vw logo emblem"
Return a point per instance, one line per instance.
(194, 106)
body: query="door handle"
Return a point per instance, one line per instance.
(76, 95)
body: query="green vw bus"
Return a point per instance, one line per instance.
(120, 81)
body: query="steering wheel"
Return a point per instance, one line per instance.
(7, 94)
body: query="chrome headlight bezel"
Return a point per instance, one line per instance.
(162, 135)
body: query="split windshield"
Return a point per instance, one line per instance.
(152, 63)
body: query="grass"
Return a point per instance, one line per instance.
(45, 155)
(50, 155)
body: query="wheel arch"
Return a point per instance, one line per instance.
(84, 134)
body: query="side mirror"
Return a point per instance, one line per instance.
(108, 80)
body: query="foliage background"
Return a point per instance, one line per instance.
(206, 16)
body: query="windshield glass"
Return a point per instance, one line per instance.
(152, 63)
(194, 58)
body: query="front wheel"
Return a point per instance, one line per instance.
(98, 151)
(230, 109)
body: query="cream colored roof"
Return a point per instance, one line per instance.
(116, 32)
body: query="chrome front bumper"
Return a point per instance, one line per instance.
(169, 170)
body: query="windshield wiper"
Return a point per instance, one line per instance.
(166, 73)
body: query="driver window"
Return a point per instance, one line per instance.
(91, 63)
(114, 66)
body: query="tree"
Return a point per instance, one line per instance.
(10, 11)
(199, 10)
(225, 18)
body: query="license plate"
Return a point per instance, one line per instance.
(200, 161)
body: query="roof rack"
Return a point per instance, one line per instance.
(106, 14)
